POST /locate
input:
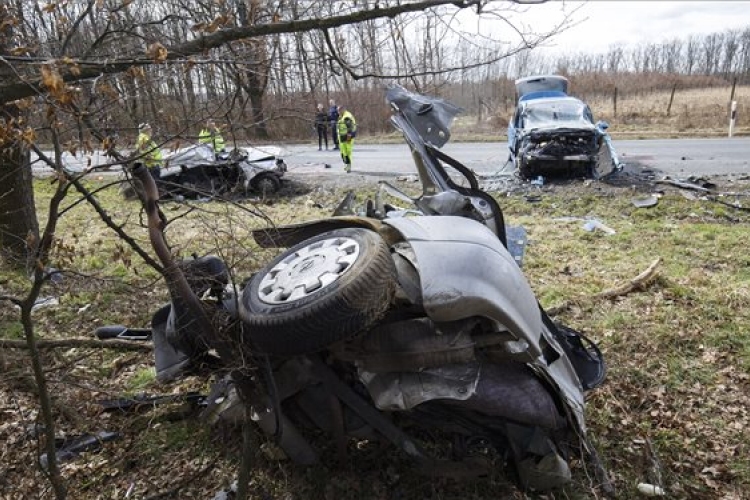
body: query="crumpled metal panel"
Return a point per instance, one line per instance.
(189, 157)
(465, 271)
(405, 390)
(430, 116)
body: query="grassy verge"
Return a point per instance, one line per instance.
(677, 395)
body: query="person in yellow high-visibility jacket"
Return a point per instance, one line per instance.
(347, 129)
(149, 153)
(211, 135)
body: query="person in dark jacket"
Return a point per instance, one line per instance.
(333, 119)
(321, 125)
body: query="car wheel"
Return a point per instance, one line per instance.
(323, 290)
(523, 168)
(267, 184)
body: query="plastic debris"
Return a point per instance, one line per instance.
(650, 490)
(407, 178)
(70, 448)
(227, 494)
(43, 302)
(539, 181)
(592, 225)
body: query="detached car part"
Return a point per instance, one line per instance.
(423, 313)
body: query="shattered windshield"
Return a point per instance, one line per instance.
(557, 114)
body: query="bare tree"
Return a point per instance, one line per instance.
(69, 70)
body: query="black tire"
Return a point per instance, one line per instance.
(524, 169)
(355, 296)
(266, 184)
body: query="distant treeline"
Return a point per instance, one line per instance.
(267, 88)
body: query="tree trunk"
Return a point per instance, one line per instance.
(256, 104)
(258, 68)
(18, 222)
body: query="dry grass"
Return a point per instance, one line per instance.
(695, 112)
(678, 353)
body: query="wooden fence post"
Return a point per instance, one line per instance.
(671, 98)
(614, 102)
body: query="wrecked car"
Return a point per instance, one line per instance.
(197, 172)
(554, 134)
(386, 319)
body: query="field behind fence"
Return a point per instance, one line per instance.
(644, 111)
(696, 111)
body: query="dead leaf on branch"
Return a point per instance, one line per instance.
(50, 7)
(10, 21)
(29, 136)
(217, 23)
(52, 79)
(157, 52)
(212, 26)
(72, 65)
(19, 51)
(108, 91)
(137, 72)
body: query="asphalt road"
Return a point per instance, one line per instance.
(678, 158)
(674, 157)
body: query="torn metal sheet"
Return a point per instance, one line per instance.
(517, 240)
(647, 202)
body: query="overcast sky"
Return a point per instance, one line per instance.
(602, 23)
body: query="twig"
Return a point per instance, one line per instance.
(124, 345)
(685, 185)
(173, 491)
(634, 284)
(652, 457)
(715, 199)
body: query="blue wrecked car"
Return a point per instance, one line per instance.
(554, 134)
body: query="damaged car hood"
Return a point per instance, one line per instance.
(558, 114)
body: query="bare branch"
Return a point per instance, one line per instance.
(123, 345)
(76, 24)
(10, 91)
